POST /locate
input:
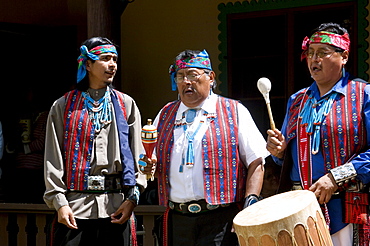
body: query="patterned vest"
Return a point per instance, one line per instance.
(342, 132)
(79, 137)
(223, 172)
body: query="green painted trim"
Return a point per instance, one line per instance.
(245, 6)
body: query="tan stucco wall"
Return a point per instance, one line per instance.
(153, 33)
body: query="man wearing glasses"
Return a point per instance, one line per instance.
(330, 123)
(205, 145)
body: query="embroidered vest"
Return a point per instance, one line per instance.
(79, 134)
(342, 131)
(224, 174)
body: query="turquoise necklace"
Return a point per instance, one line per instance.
(188, 158)
(100, 111)
(313, 118)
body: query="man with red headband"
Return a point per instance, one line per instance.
(93, 144)
(210, 157)
(324, 142)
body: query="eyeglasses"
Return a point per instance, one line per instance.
(320, 54)
(189, 77)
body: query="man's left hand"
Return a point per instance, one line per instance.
(324, 188)
(123, 213)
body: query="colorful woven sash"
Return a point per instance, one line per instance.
(78, 141)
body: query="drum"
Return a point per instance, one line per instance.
(290, 218)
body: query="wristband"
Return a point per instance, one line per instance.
(343, 173)
(251, 199)
(133, 195)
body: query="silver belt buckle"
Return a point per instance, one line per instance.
(212, 207)
(95, 182)
(194, 208)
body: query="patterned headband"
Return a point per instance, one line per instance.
(199, 61)
(340, 41)
(92, 54)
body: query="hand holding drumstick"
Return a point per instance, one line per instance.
(275, 140)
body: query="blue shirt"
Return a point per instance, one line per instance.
(361, 162)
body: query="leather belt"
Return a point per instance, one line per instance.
(103, 184)
(194, 207)
(298, 186)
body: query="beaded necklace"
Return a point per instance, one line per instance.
(188, 158)
(313, 118)
(100, 111)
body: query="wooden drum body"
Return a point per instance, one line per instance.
(292, 218)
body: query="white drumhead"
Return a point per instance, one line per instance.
(275, 208)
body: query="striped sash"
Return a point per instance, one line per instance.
(78, 141)
(224, 174)
(164, 148)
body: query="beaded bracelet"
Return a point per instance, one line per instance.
(251, 199)
(133, 195)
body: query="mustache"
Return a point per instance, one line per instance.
(190, 88)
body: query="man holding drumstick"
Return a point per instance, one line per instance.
(326, 137)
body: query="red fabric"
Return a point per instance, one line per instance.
(133, 230)
(355, 209)
(305, 165)
(165, 228)
(364, 233)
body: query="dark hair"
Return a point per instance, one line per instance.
(189, 54)
(90, 43)
(96, 41)
(331, 27)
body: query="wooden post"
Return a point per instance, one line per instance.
(104, 19)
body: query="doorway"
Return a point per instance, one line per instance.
(268, 44)
(38, 66)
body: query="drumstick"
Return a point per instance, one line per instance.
(264, 86)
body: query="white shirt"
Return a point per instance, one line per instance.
(189, 185)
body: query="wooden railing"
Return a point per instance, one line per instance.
(27, 224)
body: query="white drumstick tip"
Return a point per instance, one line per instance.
(264, 86)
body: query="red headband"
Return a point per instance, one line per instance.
(340, 41)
